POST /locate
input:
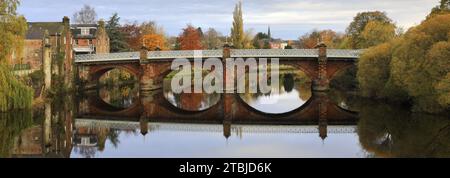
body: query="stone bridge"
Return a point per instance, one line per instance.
(150, 67)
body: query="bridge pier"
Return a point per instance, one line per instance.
(321, 83)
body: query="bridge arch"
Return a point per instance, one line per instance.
(96, 72)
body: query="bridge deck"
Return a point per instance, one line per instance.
(235, 53)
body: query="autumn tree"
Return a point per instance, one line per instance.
(247, 41)
(212, 39)
(86, 15)
(190, 39)
(374, 73)
(132, 35)
(442, 8)
(151, 27)
(419, 66)
(376, 33)
(150, 30)
(237, 31)
(329, 37)
(154, 42)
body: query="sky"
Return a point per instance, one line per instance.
(288, 19)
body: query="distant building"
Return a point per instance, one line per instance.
(278, 44)
(90, 38)
(275, 43)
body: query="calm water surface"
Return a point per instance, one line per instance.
(121, 122)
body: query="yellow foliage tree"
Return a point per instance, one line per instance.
(154, 42)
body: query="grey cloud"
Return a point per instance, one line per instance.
(287, 18)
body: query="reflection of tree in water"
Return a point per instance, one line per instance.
(189, 101)
(101, 135)
(388, 131)
(11, 126)
(289, 82)
(121, 96)
(346, 100)
(87, 152)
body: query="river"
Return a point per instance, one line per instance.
(119, 121)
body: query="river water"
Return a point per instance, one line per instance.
(119, 121)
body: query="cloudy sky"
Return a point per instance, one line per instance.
(288, 19)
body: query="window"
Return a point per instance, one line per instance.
(84, 31)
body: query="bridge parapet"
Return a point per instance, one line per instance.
(235, 53)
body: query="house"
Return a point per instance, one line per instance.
(90, 38)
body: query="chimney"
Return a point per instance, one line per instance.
(66, 21)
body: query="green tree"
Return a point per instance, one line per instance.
(359, 23)
(116, 37)
(237, 31)
(260, 40)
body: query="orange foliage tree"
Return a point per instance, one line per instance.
(190, 39)
(154, 41)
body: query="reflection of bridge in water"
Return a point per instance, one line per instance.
(236, 128)
(152, 112)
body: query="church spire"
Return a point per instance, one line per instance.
(269, 34)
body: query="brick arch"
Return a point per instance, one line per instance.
(95, 72)
(336, 67)
(309, 67)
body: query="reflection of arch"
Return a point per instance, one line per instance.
(156, 108)
(170, 106)
(98, 107)
(306, 114)
(280, 115)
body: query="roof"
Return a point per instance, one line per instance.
(257, 53)
(84, 25)
(76, 31)
(36, 29)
